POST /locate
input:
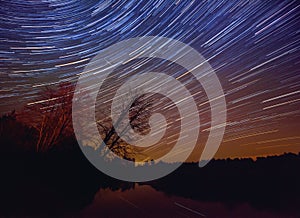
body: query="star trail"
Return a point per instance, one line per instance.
(253, 46)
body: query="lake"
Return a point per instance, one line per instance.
(145, 201)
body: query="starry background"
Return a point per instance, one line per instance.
(254, 47)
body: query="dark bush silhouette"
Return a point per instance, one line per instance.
(14, 135)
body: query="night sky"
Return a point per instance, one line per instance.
(253, 46)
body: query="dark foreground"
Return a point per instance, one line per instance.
(64, 183)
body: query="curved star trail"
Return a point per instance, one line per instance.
(252, 45)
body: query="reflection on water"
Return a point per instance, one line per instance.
(144, 201)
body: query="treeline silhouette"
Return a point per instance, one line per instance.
(61, 181)
(268, 183)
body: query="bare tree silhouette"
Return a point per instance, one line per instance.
(139, 107)
(50, 115)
